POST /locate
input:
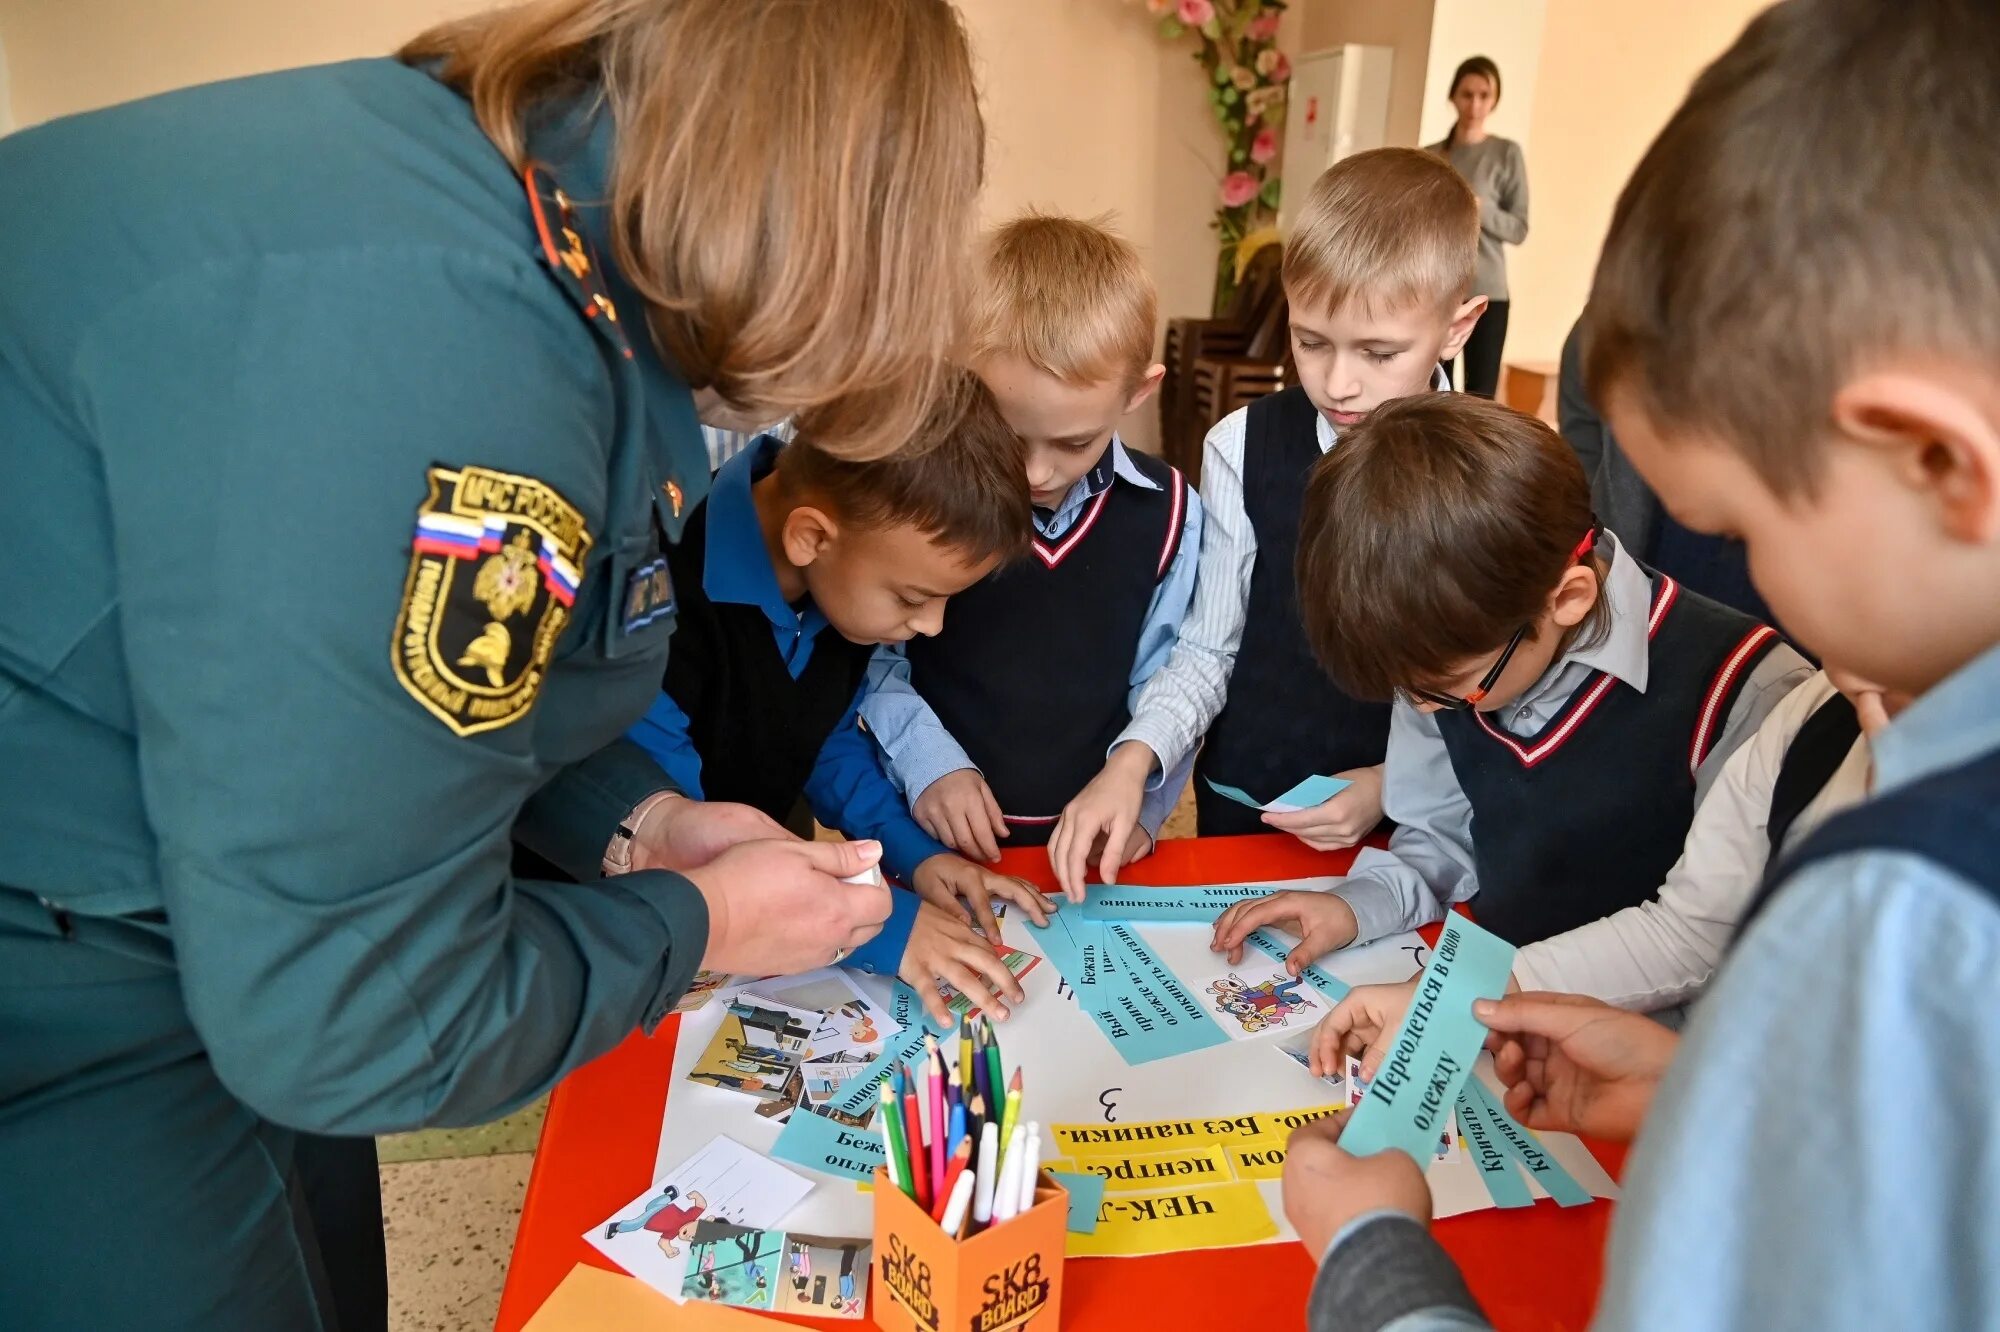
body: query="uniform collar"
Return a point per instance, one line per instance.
(574, 141)
(736, 564)
(1626, 650)
(1116, 464)
(1952, 724)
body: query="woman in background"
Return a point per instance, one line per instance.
(1498, 174)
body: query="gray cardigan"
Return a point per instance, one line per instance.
(1498, 174)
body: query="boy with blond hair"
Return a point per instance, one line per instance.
(1820, 376)
(996, 723)
(1377, 274)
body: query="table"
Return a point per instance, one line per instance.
(1536, 1268)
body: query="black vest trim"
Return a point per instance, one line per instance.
(1815, 754)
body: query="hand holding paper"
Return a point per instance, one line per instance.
(1576, 1064)
(1326, 1187)
(1361, 1024)
(1323, 922)
(1346, 813)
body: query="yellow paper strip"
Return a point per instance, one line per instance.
(1219, 1216)
(1142, 1172)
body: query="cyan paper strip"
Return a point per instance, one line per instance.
(1334, 988)
(1201, 904)
(1236, 793)
(828, 1146)
(1431, 1056)
(1314, 790)
(1526, 1148)
(1496, 1164)
(860, 1094)
(1086, 1195)
(1139, 1005)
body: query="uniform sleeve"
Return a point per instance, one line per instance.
(1384, 1273)
(916, 747)
(662, 735)
(1662, 952)
(1157, 637)
(1173, 709)
(570, 821)
(1505, 216)
(1429, 862)
(334, 859)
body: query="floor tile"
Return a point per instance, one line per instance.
(450, 1226)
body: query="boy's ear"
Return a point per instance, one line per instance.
(1574, 596)
(1463, 321)
(1148, 386)
(1942, 440)
(806, 535)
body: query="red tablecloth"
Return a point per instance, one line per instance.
(1536, 1268)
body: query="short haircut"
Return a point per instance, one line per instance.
(963, 480)
(1069, 297)
(1435, 530)
(1389, 228)
(1824, 197)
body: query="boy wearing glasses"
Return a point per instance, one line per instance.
(1560, 710)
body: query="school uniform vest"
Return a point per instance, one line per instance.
(1950, 818)
(1285, 719)
(1032, 671)
(1810, 762)
(758, 731)
(1586, 816)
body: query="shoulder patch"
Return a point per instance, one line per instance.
(495, 562)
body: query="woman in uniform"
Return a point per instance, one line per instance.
(345, 410)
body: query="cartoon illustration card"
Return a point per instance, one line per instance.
(779, 1111)
(756, 1049)
(824, 1276)
(778, 1271)
(1018, 964)
(1298, 1049)
(650, 1237)
(1255, 1002)
(703, 989)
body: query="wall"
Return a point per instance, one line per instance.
(1612, 71)
(1508, 32)
(1088, 110)
(1404, 25)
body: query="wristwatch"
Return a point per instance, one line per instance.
(618, 855)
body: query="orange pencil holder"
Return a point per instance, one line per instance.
(1006, 1276)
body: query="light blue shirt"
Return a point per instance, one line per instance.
(1821, 1152)
(916, 747)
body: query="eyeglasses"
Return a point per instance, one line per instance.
(1486, 682)
(1499, 668)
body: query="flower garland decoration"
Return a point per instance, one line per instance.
(1247, 75)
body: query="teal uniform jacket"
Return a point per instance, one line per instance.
(334, 484)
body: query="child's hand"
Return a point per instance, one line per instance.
(1575, 1064)
(1102, 816)
(1325, 1188)
(1362, 1022)
(943, 947)
(946, 881)
(1341, 821)
(1323, 922)
(959, 810)
(1137, 847)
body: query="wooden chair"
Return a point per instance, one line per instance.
(1230, 334)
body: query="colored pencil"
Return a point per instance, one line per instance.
(975, 1118)
(1010, 1113)
(988, 1171)
(954, 1090)
(919, 1175)
(964, 1056)
(982, 1072)
(939, 1124)
(995, 1076)
(958, 1136)
(892, 1142)
(961, 1157)
(921, 1078)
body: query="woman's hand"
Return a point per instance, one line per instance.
(779, 907)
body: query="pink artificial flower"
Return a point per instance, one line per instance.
(1262, 28)
(1271, 63)
(1243, 79)
(1194, 13)
(1238, 188)
(1265, 146)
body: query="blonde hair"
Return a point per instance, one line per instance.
(1391, 227)
(1068, 296)
(793, 192)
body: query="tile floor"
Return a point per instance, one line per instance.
(451, 1199)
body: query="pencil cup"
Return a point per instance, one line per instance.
(1006, 1276)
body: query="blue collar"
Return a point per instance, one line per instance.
(1953, 723)
(736, 565)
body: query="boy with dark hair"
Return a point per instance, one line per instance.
(790, 573)
(1819, 377)
(1560, 710)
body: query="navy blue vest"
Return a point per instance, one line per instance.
(1586, 816)
(1950, 818)
(1284, 719)
(758, 731)
(1810, 761)
(1032, 672)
